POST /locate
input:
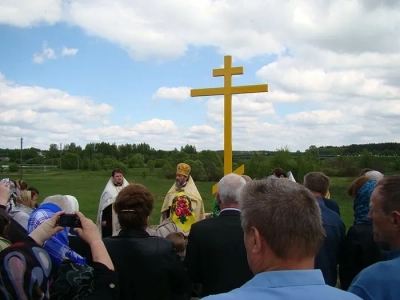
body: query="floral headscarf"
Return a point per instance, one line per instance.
(361, 203)
(57, 245)
(182, 212)
(25, 271)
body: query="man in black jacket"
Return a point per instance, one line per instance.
(215, 255)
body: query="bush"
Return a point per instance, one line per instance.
(13, 167)
(122, 166)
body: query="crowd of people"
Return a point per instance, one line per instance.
(269, 238)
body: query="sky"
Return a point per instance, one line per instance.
(121, 72)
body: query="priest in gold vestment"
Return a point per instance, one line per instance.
(182, 205)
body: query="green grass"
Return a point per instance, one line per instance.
(88, 186)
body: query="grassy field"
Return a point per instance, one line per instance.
(88, 186)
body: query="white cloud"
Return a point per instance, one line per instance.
(246, 109)
(68, 51)
(44, 116)
(36, 112)
(316, 117)
(165, 29)
(178, 94)
(50, 54)
(22, 13)
(335, 79)
(47, 53)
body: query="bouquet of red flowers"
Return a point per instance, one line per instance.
(182, 207)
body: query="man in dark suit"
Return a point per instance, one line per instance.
(328, 256)
(332, 205)
(215, 255)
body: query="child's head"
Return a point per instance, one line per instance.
(179, 241)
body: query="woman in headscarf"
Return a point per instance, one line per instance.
(359, 248)
(23, 208)
(58, 245)
(25, 268)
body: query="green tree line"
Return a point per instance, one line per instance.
(207, 165)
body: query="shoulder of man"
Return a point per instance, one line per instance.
(365, 282)
(331, 201)
(204, 225)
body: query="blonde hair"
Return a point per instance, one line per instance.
(25, 198)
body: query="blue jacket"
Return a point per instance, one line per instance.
(328, 257)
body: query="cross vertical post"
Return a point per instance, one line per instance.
(227, 91)
(227, 71)
(228, 117)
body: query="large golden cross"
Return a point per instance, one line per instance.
(228, 90)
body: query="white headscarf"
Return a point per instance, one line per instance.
(374, 175)
(73, 202)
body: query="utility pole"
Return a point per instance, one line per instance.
(77, 152)
(60, 156)
(20, 160)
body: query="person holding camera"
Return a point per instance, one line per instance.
(58, 245)
(31, 264)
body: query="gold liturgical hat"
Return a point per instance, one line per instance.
(183, 169)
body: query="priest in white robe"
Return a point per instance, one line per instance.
(107, 220)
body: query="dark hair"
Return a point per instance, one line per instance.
(278, 172)
(115, 171)
(21, 184)
(133, 206)
(389, 191)
(34, 191)
(317, 182)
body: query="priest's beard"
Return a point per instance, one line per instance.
(179, 184)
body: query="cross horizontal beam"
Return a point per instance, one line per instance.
(207, 92)
(247, 89)
(229, 72)
(239, 171)
(219, 91)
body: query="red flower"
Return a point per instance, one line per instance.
(181, 206)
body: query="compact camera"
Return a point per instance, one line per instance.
(69, 220)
